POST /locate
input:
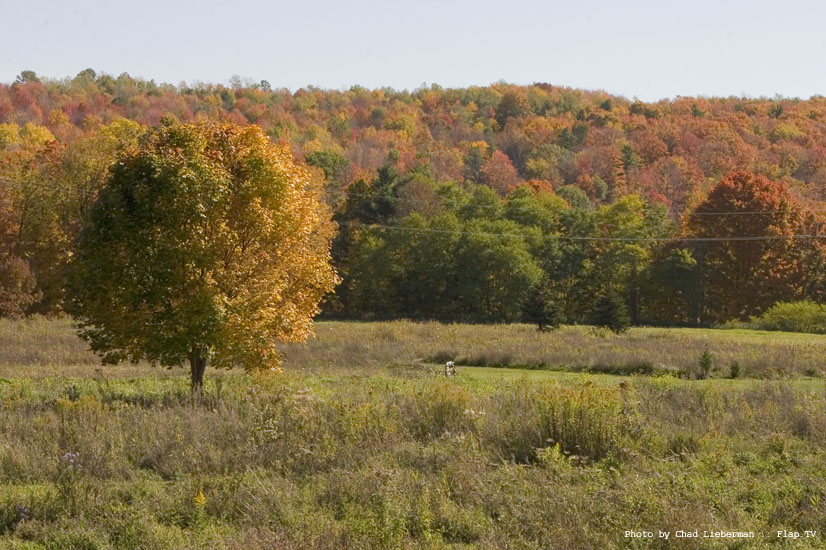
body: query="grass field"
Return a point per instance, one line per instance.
(358, 444)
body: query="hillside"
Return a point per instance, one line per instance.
(454, 204)
(499, 135)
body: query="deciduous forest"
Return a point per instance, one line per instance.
(456, 204)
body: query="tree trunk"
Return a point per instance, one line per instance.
(197, 365)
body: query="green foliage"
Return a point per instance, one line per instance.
(575, 196)
(734, 370)
(542, 307)
(208, 242)
(513, 104)
(611, 312)
(26, 76)
(333, 164)
(804, 316)
(674, 283)
(630, 159)
(706, 364)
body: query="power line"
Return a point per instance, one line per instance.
(48, 186)
(586, 238)
(442, 199)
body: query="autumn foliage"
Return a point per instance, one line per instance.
(208, 243)
(451, 203)
(744, 277)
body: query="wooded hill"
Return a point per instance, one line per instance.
(452, 203)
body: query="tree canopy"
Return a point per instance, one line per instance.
(208, 242)
(452, 203)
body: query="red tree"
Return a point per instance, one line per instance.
(762, 259)
(499, 174)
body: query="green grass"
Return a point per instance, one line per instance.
(359, 444)
(350, 346)
(760, 354)
(572, 379)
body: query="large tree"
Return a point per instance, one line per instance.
(208, 243)
(757, 252)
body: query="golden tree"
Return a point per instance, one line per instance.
(208, 243)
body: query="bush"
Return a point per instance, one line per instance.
(706, 363)
(585, 422)
(804, 316)
(734, 370)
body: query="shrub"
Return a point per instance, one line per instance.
(706, 363)
(804, 316)
(437, 409)
(734, 370)
(586, 422)
(683, 444)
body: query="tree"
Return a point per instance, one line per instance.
(612, 313)
(333, 164)
(26, 76)
(673, 288)
(743, 277)
(575, 197)
(493, 269)
(17, 285)
(542, 307)
(630, 227)
(514, 103)
(499, 174)
(207, 243)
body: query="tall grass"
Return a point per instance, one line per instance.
(641, 350)
(49, 347)
(358, 445)
(336, 461)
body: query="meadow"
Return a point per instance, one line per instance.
(540, 441)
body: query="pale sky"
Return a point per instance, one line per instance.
(648, 49)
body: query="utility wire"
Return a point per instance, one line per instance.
(441, 199)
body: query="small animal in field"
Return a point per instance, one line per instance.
(450, 369)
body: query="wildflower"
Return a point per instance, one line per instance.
(199, 500)
(70, 460)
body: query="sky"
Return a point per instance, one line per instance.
(645, 49)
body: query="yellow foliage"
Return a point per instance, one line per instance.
(9, 135)
(234, 255)
(34, 137)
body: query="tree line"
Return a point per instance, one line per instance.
(460, 204)
(461, 252)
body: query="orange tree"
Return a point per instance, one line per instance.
(208, 243)
(758, 253)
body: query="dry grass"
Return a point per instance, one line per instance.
(345, 452)
(342, 461)
(760, 354)
(48, 347)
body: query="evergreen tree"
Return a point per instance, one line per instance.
(611, 312)
(542, 308)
